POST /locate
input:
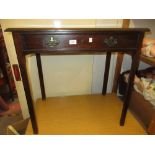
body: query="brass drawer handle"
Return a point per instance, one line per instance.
(111, 41)
(53, 42)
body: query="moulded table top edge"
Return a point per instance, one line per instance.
(77, 29)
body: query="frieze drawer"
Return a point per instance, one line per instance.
(79, 42)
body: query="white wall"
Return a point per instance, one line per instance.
(63, 75)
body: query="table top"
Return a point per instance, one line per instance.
(76, 29)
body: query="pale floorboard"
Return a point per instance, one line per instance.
(83, 115)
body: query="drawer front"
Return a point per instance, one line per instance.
(79, 42)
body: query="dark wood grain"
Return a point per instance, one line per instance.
(41, 78)
(134, 68)
(34, 41)
(23, 70)
(106, 72)
(125, 41)
(75, 30)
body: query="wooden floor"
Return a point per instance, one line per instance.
(84, 115)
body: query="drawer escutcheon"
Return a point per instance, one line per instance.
(111, 41)
(52, 42)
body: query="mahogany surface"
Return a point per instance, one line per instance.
(62, 41)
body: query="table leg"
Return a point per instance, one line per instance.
(134, 67)
(41, 78)
(106, 72)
